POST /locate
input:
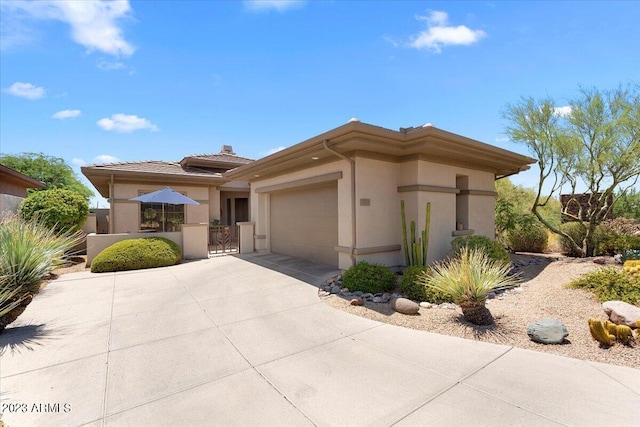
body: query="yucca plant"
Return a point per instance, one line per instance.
(28, 252)
(469, 278)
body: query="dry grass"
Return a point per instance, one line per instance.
(544, 294)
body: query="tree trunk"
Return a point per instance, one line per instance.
(476, 313)
(11, 316)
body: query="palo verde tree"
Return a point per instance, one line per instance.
(53, 171)
(592, 145)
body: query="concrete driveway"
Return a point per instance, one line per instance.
(227, 341)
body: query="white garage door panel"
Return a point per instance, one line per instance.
(304, 223)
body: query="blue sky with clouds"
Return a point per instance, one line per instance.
(98, 81)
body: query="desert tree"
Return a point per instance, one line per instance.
(591, 146)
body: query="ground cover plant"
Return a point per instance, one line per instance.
(135, 254)
(365, 277)
(610, 284)
(29, 251)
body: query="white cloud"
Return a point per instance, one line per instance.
(110, 66)
(102, 158)
(125, 123)
(267, 5)
(106, 158)
(274, 150)
(439, 33)
(94, 23)
(502, 139)
(563, 111)
(26, 90)
(66, 114)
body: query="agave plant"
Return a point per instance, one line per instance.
(28, 252)
(468, 279)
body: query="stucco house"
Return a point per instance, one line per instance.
(334, 198)
(200, 177)
(13, 188)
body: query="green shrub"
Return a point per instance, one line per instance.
(577, 231)
(630, 254)
(365, 277)
(58, 208)
(531, 237)
(418, 291)
(493, 250)
(617, 244)
(610, 284)
(135, 254)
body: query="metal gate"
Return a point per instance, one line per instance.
(223, 238)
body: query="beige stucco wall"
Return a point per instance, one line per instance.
(379, 224)
(126, 213)
(259, 204)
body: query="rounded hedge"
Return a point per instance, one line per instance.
(494, 250)
(135, 254)
(365, 277)
(417, 291)
(59, 209)
(532, 238)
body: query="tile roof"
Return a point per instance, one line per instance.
(221, 158)
(155, 167)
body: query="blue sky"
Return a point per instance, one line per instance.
(96, 82)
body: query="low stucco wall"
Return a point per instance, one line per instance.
(96, 243)
(9, 203)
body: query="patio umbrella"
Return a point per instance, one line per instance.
(165, 196)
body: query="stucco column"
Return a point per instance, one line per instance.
(195, 240)
(246, 237)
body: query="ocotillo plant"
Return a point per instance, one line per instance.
(415, 252)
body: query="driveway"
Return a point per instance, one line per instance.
(245, 340)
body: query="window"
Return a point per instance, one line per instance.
(161, 217)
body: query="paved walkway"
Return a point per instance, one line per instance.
(228, 342)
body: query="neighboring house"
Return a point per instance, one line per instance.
(13, 188)
(199, 177)
(335, 198)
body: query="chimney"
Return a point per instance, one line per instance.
(227, 149)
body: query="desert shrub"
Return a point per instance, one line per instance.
(610, 284)
(493, 250)
(578, 231)
(58, 208)
(367, 277)
(612, 245)
(530, 237)
(624, 226)
(135, 254)
(418, 291)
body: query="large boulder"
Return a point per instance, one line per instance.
(622, 313)
(405, 306)
(547, 331)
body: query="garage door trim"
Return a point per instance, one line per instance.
(320, 179)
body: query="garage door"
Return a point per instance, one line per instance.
(304, 223)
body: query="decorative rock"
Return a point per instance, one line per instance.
(366, 296)
(491, 295)
(344, 291)
(335, 289)
(547, 331)
(377, 299)
(425, 304)
(618, 258)
(405, 306)
(599, 260)
(516, 290)
(622, 313)
(357, 301)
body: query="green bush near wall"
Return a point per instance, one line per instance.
(135, 254)
(367, 277)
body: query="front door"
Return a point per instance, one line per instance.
(242, 209)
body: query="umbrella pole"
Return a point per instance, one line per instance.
(164, 220)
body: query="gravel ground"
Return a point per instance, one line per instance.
(543, 294)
